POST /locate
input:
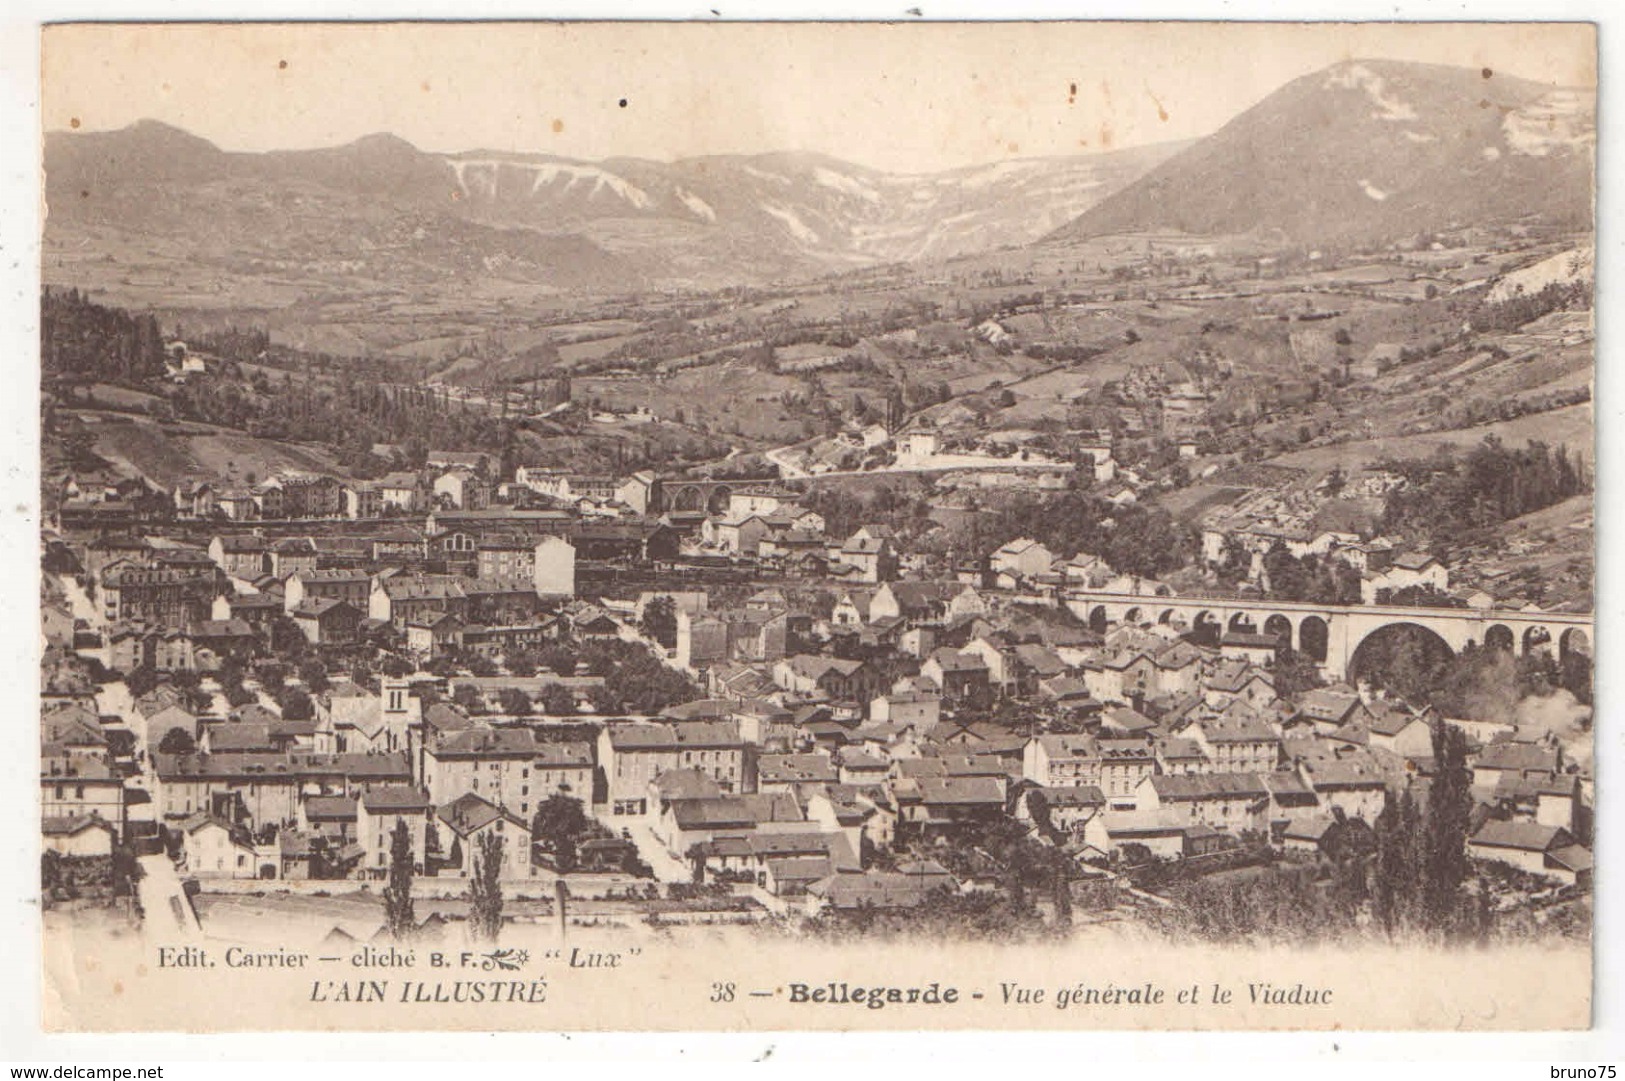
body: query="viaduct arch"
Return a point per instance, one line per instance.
(1332, 633)
(701, 496)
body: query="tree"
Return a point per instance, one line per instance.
(177, 741)
(558, 699)
(190, 686)
(313, 674)
(1288, 578)
(239, 696)
(1575, 676)
(1421, 859)
(399, 917)
(126, 871)
(431, 845)
(522, 662)
(1038, 807)
(485, 888)
(50, 868)
(1148, 543)
(230, 673)
(468, 698)
(141, 681)
(1397, 873)
(557, 824)
(514, 702)
(1450, 806)
(1407, 661)
(564, 854)
(558, 657)
(660, 620)
(1450, 499)
(603, 699)
(1061, 888)
(296, 705)
(272, 678)
(1295, 673)
(287, 638)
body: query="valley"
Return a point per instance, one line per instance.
(1192, 533)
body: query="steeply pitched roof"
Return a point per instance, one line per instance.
(469, 813)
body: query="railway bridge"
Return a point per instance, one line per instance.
(703, 496)
(1333, 634)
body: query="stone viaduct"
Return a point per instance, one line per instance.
(1333, 634)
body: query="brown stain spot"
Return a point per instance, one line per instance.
(1106, 92)
(74, 123)
(1486, 73)
(1106, 136)
(1014, 148)
(1083, 142)
(456, 196)
(623, 103)
(1483, 103)
(118, 987)
(282, 65)
(425, 85)
(1162, 114)
(84, 194)
(140, 969)
(558, 127)
(1071, 93)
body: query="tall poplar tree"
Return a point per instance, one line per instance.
(1450, 806)
(485, 888)
(398, 914)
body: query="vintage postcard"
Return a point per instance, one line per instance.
(824, 526)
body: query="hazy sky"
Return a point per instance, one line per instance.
(904, 97)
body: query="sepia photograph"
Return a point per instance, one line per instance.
(816, 526)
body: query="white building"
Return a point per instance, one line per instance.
(555, 574)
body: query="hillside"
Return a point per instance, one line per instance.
(1368, 151)
(380, 210)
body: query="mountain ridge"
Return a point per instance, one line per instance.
(779, 213)
(1367, 150)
